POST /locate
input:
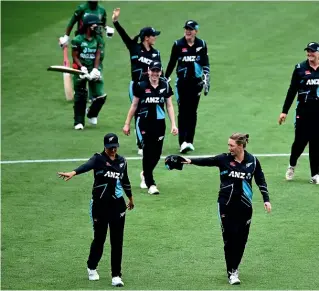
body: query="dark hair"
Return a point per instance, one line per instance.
(135, 39)
(240, 138)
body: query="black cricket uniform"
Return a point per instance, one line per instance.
(192, 63)
(235, 200)
(107, 206)
(150, 123)
(305, 83)
(140, 57)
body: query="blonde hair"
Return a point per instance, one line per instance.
(240, 138)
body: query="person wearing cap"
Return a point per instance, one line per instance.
(89, 7)
(87, 54)
(237, 170)
(193, 74)
(305, 83)
(107, 206)
(141, 54)
(149, 99)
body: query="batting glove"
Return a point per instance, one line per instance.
(85, 74)
(64, 40)
(109, 31)
(206, 83)
(95, 74)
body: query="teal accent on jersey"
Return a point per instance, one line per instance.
(131, 95)
(176, 90)
(118, 189)
(198, 70)
(160, 113)
(90, 212)
(247, 190)
(138, 131)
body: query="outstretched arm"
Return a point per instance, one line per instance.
(89, 165)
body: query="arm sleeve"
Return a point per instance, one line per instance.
(89, 165)
(261, 182)
(206, 162)
(172, 61)
(126, 39)
(206, 66)
(137, 91)
(292, 91)
(76, 16)
(75, 45)
(126, 184)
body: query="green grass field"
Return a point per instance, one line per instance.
(172, 241)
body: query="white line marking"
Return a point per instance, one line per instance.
(128, 158)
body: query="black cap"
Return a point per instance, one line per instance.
(149, 31)
(111, 141)
(91, 19)
(174, 162)
(155, 65)
(191, 24)
(312, 46)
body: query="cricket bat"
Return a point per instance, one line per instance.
(67, 78)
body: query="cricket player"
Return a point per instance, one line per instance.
(305, 83)
(193, 74)
(149, 99)
(141, 54)
(90, 7)
(87, 53)
(237, 169)
(107, 205)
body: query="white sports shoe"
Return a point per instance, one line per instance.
(153, 190)
(140, 152)
(315, 179)
(290, 173)
(117, 281)
(93, 275)
(79, 126)
(142, 185)
(93, 120)
(190, 146)
(233, 278)
(184, 148)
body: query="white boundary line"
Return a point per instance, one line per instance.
(128, 158)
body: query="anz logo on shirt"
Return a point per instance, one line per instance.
(113, 175)
(236, 174)
(154, 100)
(190, 58)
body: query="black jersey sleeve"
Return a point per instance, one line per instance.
(88, 166)
(126, 184)
(126, 39)
(207, 162)
(172, 61)
(261, 181)
(137, 90)
(292, 91)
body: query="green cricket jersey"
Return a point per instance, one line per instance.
(87, 49)
(83, 10)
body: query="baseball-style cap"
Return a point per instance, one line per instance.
(91, 19)
(312, 46)
(174, 162)
(111, 141)
(149, 31)
(155, 65)
(191, 24)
